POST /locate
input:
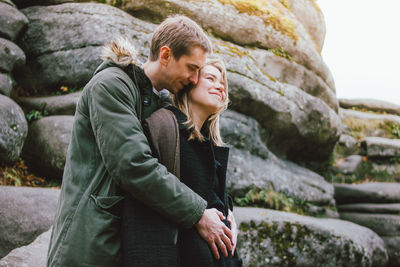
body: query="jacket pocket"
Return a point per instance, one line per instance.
(111, 205)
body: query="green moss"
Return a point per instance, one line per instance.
(273, 16)
(34, 114)
(360, 128)
(273, 200)
(285, 3)
(222, 47)
(278, 51)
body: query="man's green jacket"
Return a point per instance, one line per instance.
(109, 156)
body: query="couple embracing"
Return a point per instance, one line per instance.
(144, 180)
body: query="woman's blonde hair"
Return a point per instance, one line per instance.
(211, 125)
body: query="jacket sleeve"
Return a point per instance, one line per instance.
(127, 155)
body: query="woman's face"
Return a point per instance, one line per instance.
(209, 94)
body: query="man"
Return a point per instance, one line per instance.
(109, 154)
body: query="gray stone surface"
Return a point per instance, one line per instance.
(367, 193)
(12, 21)
(273, 238)
(349, 165)
(253, 166)
(25, 213)
(371, 104)
(11, 56)
(345, 113)
(346, 146)
(27, 3)
(47, 143)
(389, 208)
(382, 224)
(54, 105)
(8, 2)
(13, 130)
(228, 23)
(392, 245)
(64, 42)
(32, 255)
(5, 84)
(380, 147)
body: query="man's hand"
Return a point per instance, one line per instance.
(215, 232)
(234, 230)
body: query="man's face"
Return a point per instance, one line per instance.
(184, 71)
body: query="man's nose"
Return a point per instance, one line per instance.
(194, 77)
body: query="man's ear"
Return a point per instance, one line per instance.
(165, 55)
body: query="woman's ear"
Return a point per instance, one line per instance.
(165, 55)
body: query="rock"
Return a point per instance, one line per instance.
(371, 104)
(387, 168)
(301, 127)
(346, 146)
(26, 212)
(239, 24)
(392, 245)
(13, 130)
(382, 224)
(63, 43)
(243, 132)
(349, 165)
(291, 72)
(5, 84)
(367, 193)
(391, 208)
(28, 3)
(246, 171)
(345, 113)
(11, 56)
(310, 15)
(32, 255)
(12, 21)
(381, 147)
(273, 238)
(253, 166)
(8, 2)
(47, 143)
(54, 105)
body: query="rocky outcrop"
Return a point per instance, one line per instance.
(11, 56)
(47, 143)
(367, 193)
(5, 84)
(301, 126)
(32, 255)
(12, 21)
(26, 212)
(381, 147)
(13, 130)
(273, 238)
(371, 104)
(54, 105)
(253, 166)
(63, 43)
(349, 165)
(268, 25)
(376, 206)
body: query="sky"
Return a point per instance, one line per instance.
(362, 47)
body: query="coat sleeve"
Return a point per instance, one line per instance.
(127, 155)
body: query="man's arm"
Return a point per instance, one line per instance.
(127, 156)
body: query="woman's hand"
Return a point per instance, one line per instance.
(234, 229)
(215, 232)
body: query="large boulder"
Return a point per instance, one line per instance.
(26, 212)
(63, 42)
(13, 130)
(253, 166)
(47, 143)
(388, 208)
(371, 104)
(54, 105)
(382, 224)
(381, 147)
(5, 84)
(274, 238)
(11, 56)
(32, 255)
(367, 193)
(12, 21)
(267, 24)
(392, 245)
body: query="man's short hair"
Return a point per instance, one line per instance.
(180, 34)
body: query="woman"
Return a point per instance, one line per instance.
(186, 139)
